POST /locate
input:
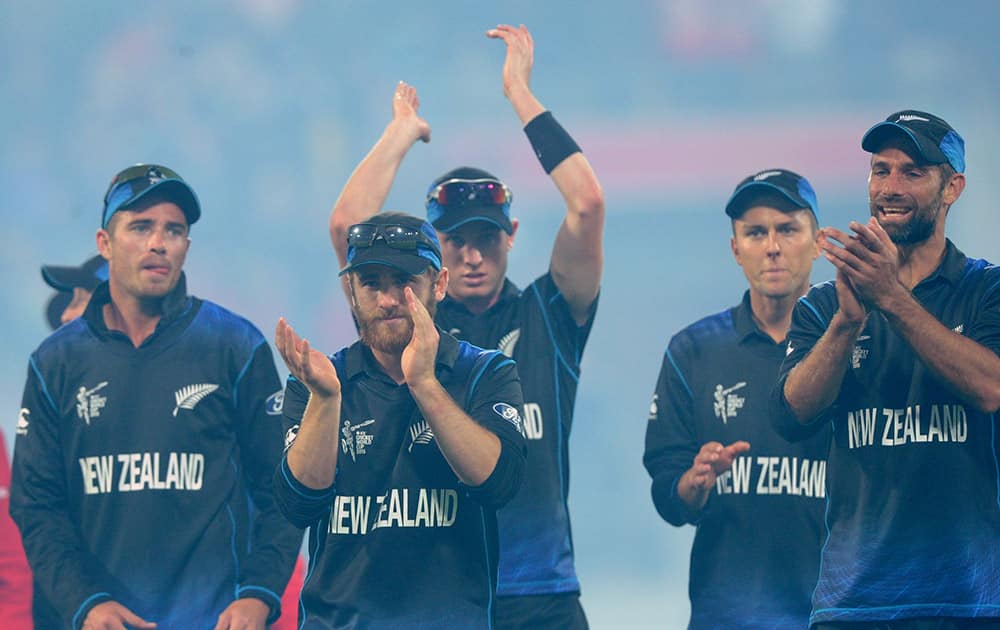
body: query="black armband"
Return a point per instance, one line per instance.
(550, 141)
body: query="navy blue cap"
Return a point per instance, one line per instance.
(931, 138)
(87, 276)
(411, 260)
(135, 182)
(475, 194)
(789, 186)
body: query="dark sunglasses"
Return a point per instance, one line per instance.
(395, 236)
(149, 174)
(461, 193)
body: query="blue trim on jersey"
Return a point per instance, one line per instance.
(295, 484)
(41, 381)
(239, 377)
(560, 454)
(84, 605)
(826, 524)
(952, 608)
(232, 546)
(503, 363)
(680, 375)
(493, 579)
(815, 312)
(552, 338)
(475, 379)
(319, 526)
(262, 589)
(996, 460)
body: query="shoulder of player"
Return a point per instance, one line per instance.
(225, 325)
(714, 330)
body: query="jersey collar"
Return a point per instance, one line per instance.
(175, 305)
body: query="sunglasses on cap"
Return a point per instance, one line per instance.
(149, 174)
(464, 193)
(394, 236)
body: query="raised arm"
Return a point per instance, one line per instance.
(369, 184)
(577, 256)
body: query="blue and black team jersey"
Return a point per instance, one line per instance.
(914, 471)
(756, 550)
(397, 541)
(536, 329)
(143, 475)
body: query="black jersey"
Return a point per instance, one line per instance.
(397, 541)
(535, 328)
(756, 549)
(143, 475)
(914, 480)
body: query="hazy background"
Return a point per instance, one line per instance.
(265, 107)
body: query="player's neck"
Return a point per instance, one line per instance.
(919, 260)
(136, 318)
(773, 315)
(391, 364)
(479, 305)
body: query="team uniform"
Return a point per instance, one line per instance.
(535, 328)
(397, 541)
(143, 475)
(756, 550)
(913, 523)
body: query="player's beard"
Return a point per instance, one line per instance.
(390, 338)
(919, 228)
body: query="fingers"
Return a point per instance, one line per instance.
(135, 620)
(421, 318)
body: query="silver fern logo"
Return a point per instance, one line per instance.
(188, 397)
(508, 342)
(420, 433)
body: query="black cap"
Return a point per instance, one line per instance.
(413, 261)
(786, 185)
(447, 217)
(55, 306)
(134, 182)
(930, 137)
(87, 276)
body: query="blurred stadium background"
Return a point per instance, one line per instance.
(265, 107)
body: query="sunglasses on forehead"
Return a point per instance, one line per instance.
(463, 193)
(148, 173)
(395, 236)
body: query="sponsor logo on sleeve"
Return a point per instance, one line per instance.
(510, 414)
(653, 409)
(274, 403)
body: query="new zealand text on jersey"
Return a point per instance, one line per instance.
(432, 508)
(142, 471)
(775, 475)
(947, 423)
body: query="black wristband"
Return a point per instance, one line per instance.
(550, 141)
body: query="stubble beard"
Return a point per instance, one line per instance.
(920, 226)
(389, 340)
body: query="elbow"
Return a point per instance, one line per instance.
(589, 203)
